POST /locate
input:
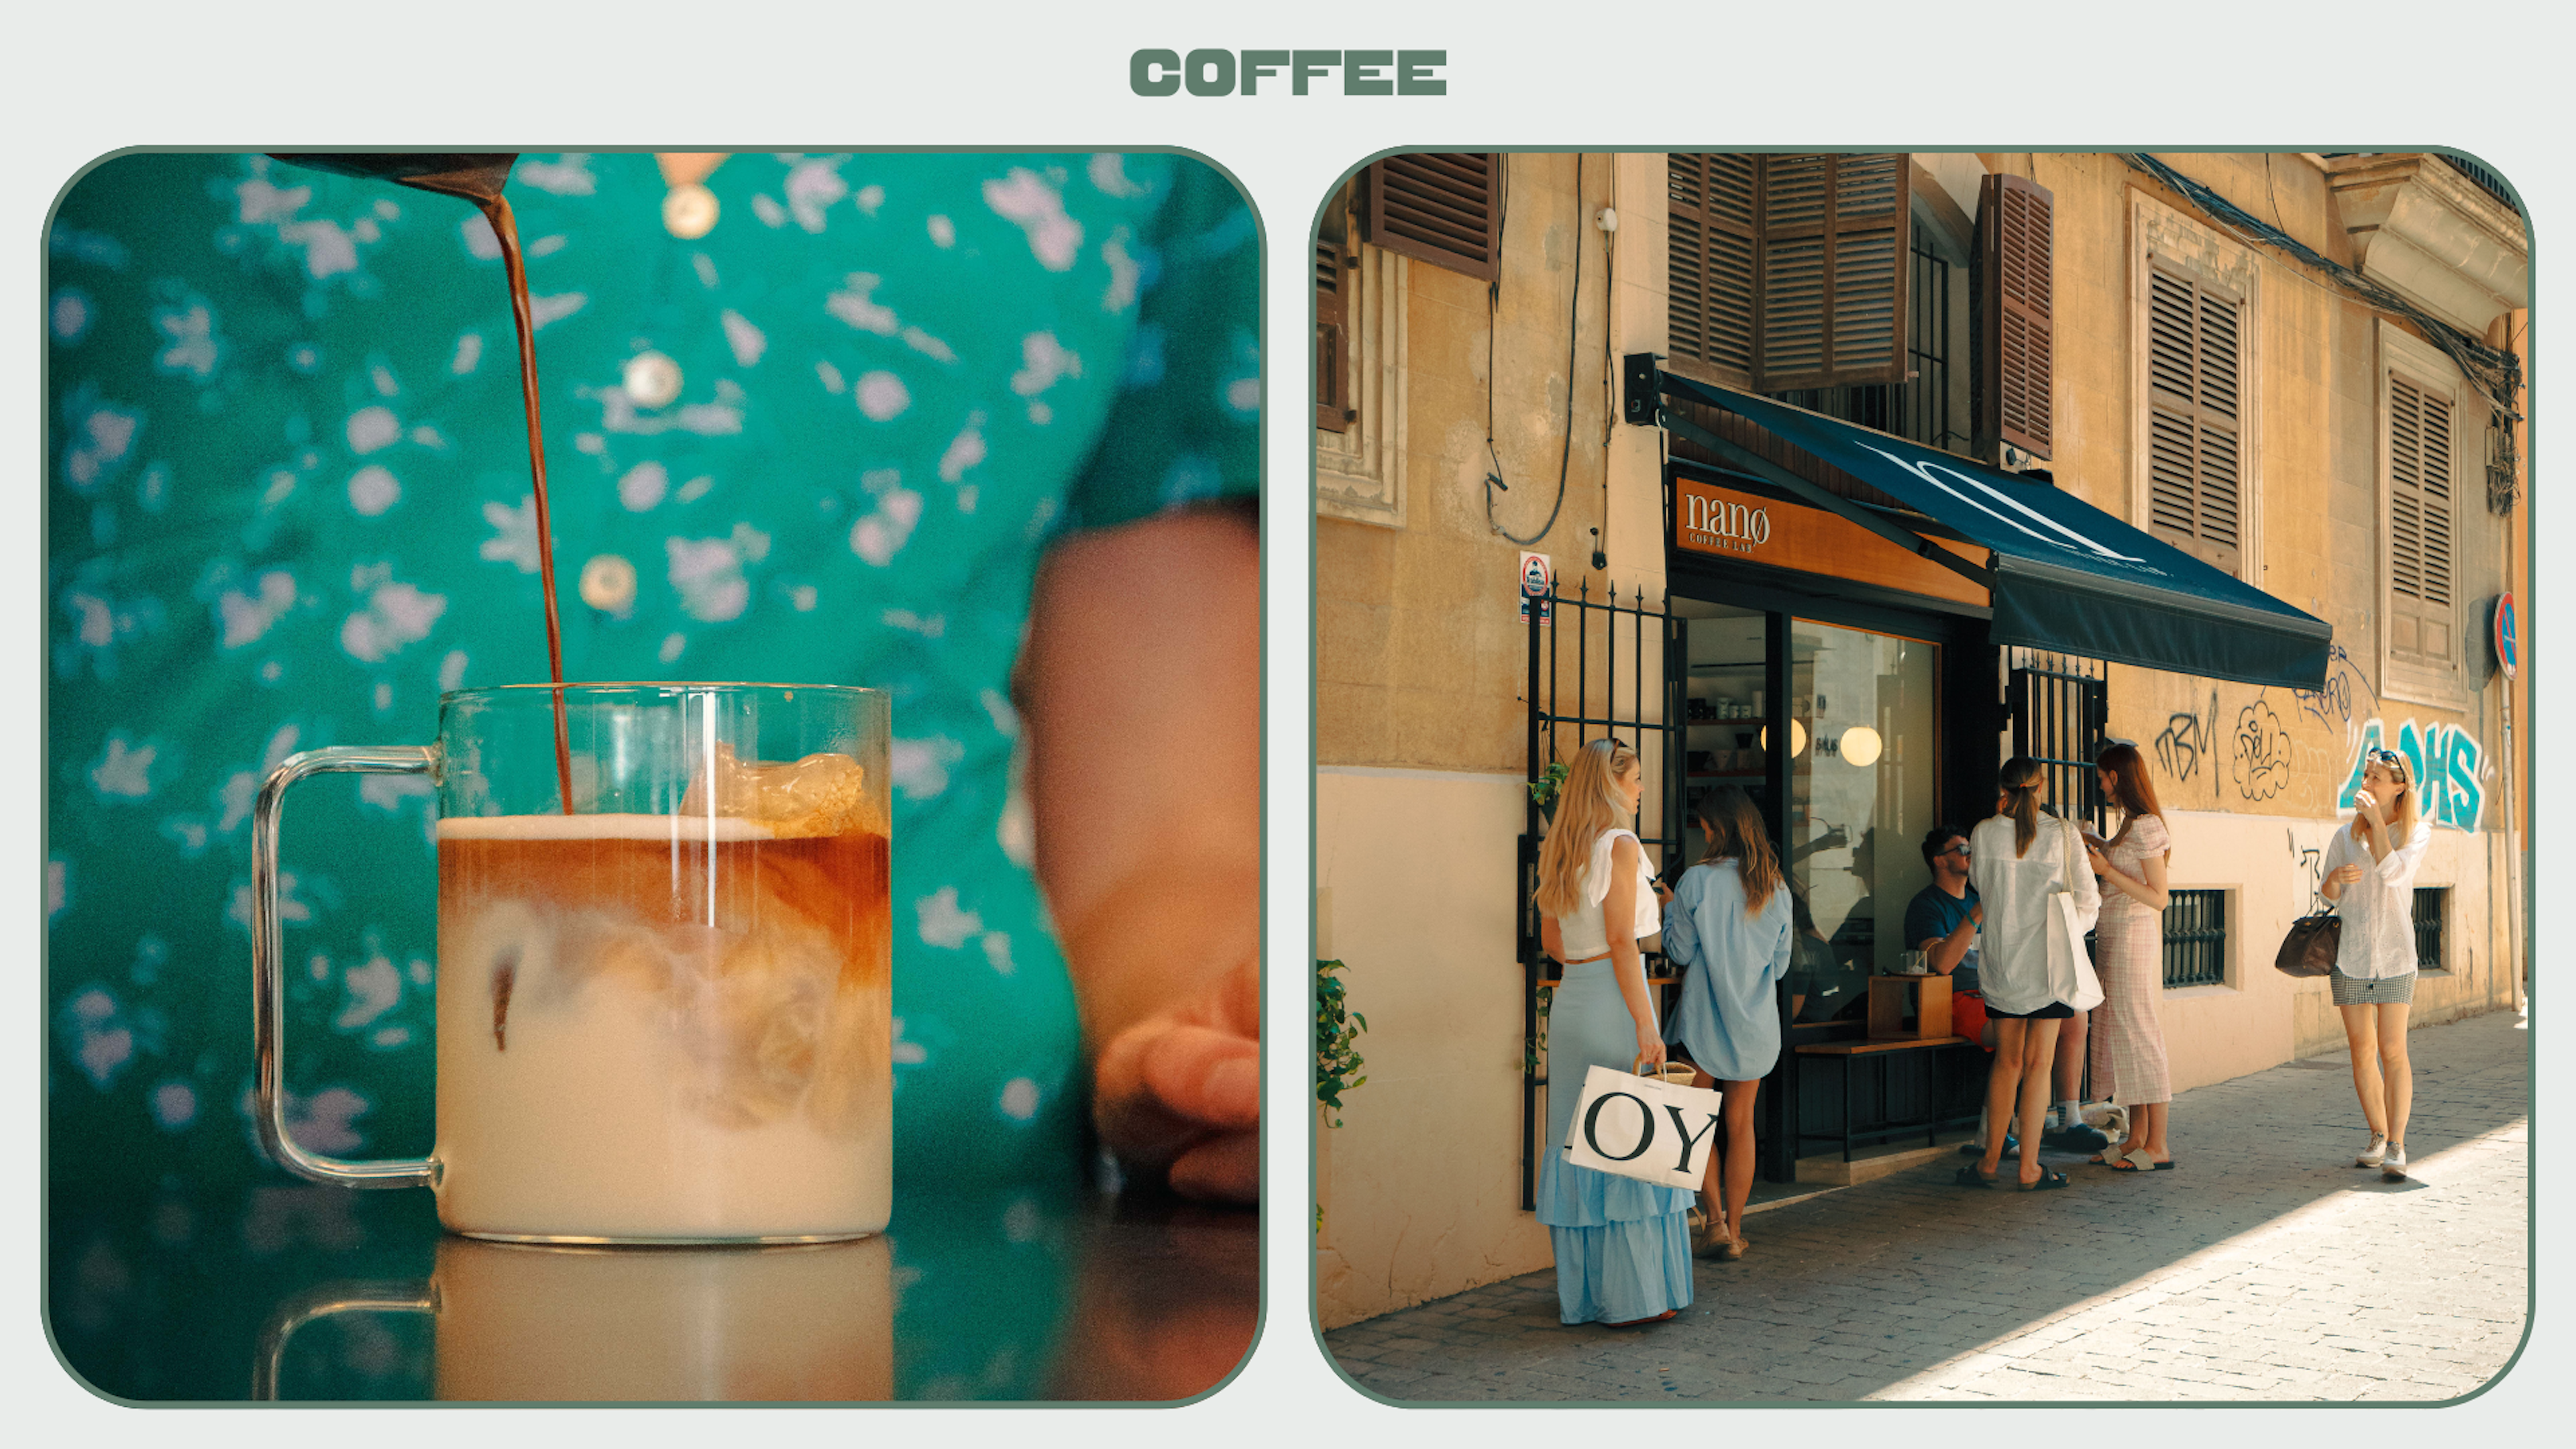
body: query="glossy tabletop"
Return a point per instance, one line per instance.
(297, 1292)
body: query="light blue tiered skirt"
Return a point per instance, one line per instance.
(1622, 1246)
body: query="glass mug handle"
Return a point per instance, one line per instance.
(268, 966)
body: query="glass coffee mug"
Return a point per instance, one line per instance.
(523, 1322)
(663, 974)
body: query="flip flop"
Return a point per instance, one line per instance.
(2142, 1164)
(2111, 1157)
(1970, 1177)
(2048, 1182)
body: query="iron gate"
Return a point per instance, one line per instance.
(1631, 692)
(2061, 711)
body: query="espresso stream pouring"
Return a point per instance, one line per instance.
(478, 177)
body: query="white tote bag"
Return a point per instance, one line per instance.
(1643, 1127)
(2070, 966)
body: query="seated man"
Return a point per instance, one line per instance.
(1941, 921)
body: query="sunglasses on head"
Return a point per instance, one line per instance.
(2390, 758)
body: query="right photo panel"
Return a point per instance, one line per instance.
(1921, 776)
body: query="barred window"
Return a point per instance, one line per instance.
(2196, 939)
(2430, 908)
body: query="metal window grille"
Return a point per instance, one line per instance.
(2196, 939)
(2061, 710)
(1617, 676)
(2429, 904)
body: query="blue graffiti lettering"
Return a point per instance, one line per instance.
(2447, 763)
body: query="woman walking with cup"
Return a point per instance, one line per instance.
(1729, 922)
(2019, 860)
(2128, 1030)
(2370, 877)
(1622, 1246)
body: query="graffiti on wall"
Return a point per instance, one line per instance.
(2446, 761)
(2259, 752)
(2186, 740)
(2332, 703)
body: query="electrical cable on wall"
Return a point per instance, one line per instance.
(1565, 457)
(2478, 362)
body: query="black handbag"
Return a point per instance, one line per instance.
(2311, 946)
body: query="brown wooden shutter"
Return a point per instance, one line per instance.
(1332, 357)
(1441, 208)
(2012, 391)
(2194, 443)
(2420, 615)
(1834, 245)
(1710, 244)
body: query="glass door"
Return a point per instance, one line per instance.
(1863, 782)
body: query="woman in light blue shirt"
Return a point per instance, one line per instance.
(1729, 923)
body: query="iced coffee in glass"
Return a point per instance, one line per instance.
(663, 994)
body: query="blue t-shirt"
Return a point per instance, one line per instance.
(1935, 912)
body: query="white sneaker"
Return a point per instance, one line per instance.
(2392, 1168)
(2376, 1153)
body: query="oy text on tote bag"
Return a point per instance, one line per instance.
(1643, 1127)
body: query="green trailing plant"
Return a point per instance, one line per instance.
(1537, 1044)
(1543, 789)
(1337, 1028)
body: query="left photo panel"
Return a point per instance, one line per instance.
(728, 625)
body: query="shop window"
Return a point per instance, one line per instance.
(1360, 294)
(2431, 908)
(2419, 471)
(2196, 939)
(1788, 272)
(2197, 478)
(1441, 208)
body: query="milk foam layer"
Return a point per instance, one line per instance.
(662, 1027)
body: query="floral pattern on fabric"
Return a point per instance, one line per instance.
(825, 442)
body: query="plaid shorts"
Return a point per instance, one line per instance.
(2372, 990)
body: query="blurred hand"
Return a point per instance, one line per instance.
(1663, 892)
(2345, 875)
(1180, 1090)
(1650, 1053)
(2093, 854)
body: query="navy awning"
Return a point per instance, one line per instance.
(2066, 575)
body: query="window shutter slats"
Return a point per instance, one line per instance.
(2195, 471)
(2421, 617)
(2013, 389)
(1439, 208)
(1709, 248)
(1332, 359)
(1832, 267)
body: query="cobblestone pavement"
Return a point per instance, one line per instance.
(2265, 1267)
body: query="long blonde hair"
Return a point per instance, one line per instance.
(1587, 804)
(2020, 781)
(1735, 830)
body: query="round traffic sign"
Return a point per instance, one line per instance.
(2508, 643)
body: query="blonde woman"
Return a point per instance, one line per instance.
(1729, 922)
(2370, 877)
(2017, 860)
(1622, 1246)
(2128, 1029)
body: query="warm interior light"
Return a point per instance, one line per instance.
(1861, 745)
(1797, 740)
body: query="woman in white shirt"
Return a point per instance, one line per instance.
(1623, 1248)
(2017, 860)
(2369, 871)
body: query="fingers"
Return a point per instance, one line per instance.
(1205, 1075)
(1221, 1169)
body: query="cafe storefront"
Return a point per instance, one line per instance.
(1857, 630)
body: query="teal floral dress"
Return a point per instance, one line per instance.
(826, 441)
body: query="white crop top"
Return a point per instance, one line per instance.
(1581, 932)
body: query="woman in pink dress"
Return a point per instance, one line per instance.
(2128, 1056)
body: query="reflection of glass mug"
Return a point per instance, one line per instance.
(662, 1013)
(523, 1322)
(1915, 964)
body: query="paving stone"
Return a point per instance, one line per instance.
(2235, 1280)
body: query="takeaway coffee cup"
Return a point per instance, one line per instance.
(663, 970)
